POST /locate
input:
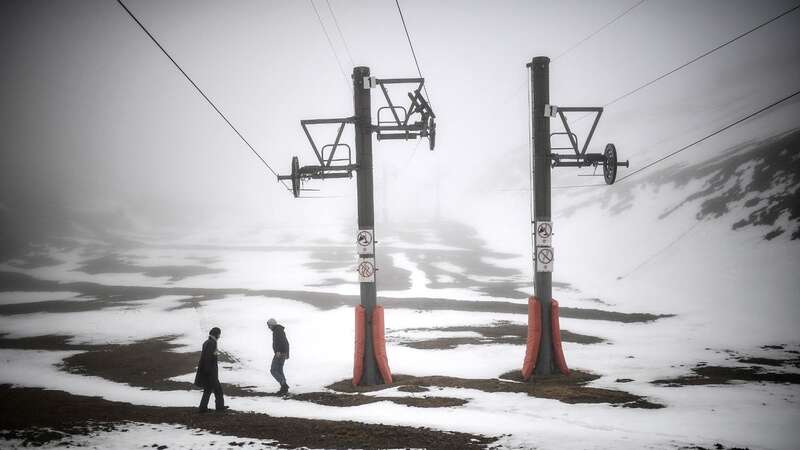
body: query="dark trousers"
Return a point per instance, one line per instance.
(276, 369)
(216, 388)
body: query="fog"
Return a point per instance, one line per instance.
(99, 127)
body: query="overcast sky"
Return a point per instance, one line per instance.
(95, 117)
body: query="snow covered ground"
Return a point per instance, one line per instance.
(731, 292)
(146, 435)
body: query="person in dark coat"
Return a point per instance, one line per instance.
(208, 373)
(280, 345)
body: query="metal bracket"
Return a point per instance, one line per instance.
(325, 168)
(572, 138)
(342, 122)
(608, 159)
(400, 125)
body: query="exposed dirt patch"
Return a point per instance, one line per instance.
(501, 332)
(741, 184)
(108, 296)
(569, 389)
(55, 342)
(716, 446)
(413, 389)
(725, 375)
(33, 409)
(35, 260)
(771, 361)
(112, 263)
(465, 258)
(772, 162)
(149, 364)
(334, 399)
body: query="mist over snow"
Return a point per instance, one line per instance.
(131, 215)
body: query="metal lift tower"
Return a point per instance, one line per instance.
(542, 360)
(417, 120)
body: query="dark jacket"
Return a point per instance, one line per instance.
(207, 369)
(279, 341)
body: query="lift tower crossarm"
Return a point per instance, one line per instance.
(342, 121)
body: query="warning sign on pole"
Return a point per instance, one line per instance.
(366, 270)
(544, 233)
(365, 242)
(544, 259)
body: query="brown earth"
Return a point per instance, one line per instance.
(55, 342)
(725, 375)
(109, 296)
(568, 389)
(334, 399)
(703, 374)
(33, 410)
(113, 263)
(775, 362)
(500, 332)
(716, 446)
(149, 364)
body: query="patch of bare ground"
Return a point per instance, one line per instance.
(54, 342)
(334, 399)
(113, 263)
(500, 332)
(702, 375)
(716, 446)
(568, 389)
(108, 296)
(774, 362)
(147, 364)
(34, 410)
(151, 363)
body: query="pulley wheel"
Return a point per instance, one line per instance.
(295, 177)
(610, 164)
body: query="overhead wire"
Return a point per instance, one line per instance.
(330, 43)
(579, 43)
(676, 69)
(413, 53)
(597, 31)
(686, 147)
(203, 94)
(693, 60)
(341, 36)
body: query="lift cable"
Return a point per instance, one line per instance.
(772, 105)
(198, 89)
(597, 31)
(700, 57)
(682, 66)
(341, 36)
(330, 43)
(686, 147)
(413, 53)
(694, 60)
(579, 43)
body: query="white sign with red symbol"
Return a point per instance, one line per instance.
(544, 259)
(365, 242)
(544, 233)
(366, 270)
